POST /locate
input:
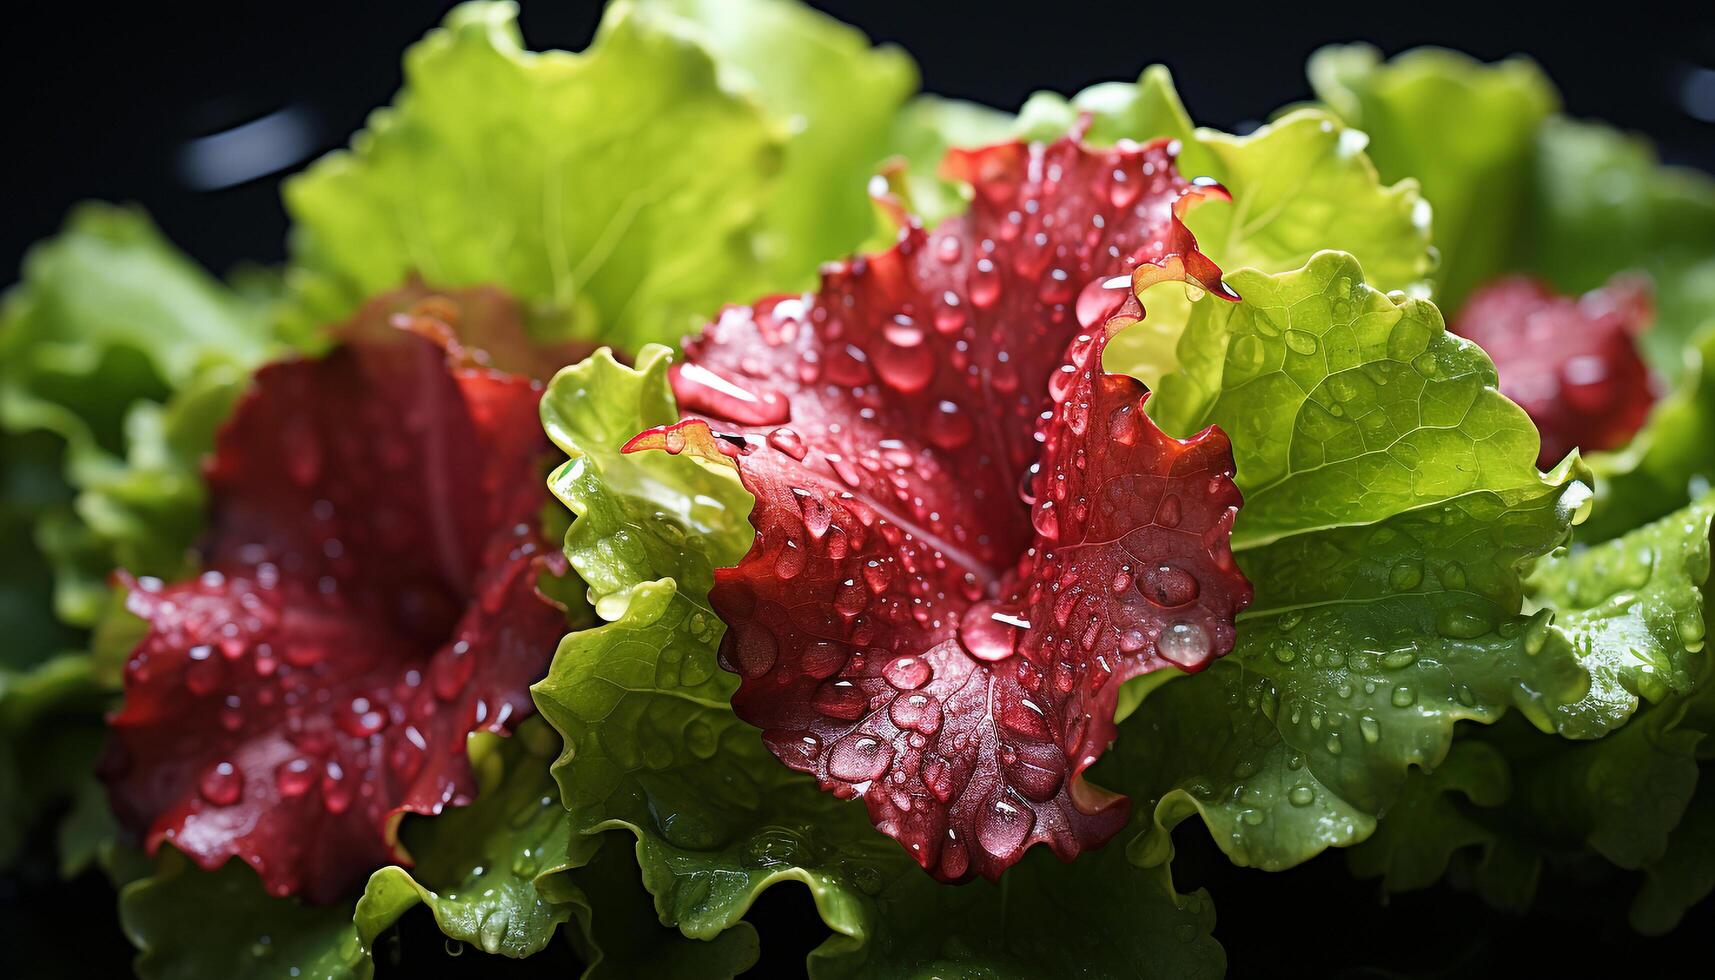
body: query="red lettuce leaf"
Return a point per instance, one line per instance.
(905, 627)
(368, 600)
(1572, 364)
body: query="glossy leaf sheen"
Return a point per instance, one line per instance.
(905, 627)
(653, 748)
(369, 598)
(1392, 507)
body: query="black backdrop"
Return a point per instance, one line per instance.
(99, 101)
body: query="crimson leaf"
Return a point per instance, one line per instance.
(904, 626)
(1572, 364)
(368, 599)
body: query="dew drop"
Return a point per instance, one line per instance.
(1167, 585)
(1003, 825)
(949, 427)
(707, 392)
(907, 673)
(294, 777)
(988, 633)
(1184, 644)
(788, 441)
(859, 758)
(222, 784)
(916, 712)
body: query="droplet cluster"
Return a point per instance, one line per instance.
(968, 534)
(368, 600)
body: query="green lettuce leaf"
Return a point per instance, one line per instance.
(1685, 873)
(1300, 185)
(109, 325)
(1428, 824)
(1391, 506)
(187, 923)
(618, 934)
(1634, 610)
(684, 160)
(1517, 188)
(478, 866)
(837, 98)
(653, 749)
(1466, 131)
(118, 358)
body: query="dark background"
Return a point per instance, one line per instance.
(100, 99)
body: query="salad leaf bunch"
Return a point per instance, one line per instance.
(703, 462)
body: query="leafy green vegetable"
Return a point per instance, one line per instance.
(652, 746)
(1519, 189)
(623, 193)
(1299, 185)
(1685, 873)
(1634, 610)
(1143, 110)
(1392, 503)
(1427, 825)
(109, 324)
(478, 866)
(1466, 131)
(837, 99)
(193, 924)
(619, 936)
(118, 358)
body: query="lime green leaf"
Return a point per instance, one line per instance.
(1391, 505)
(478, 866)
(837, 98)
(1345, 405)
(111, 292)
(118, 357)
(1303, 184)
(1466, 131)
(652, 745)
(1518, 189)
(1143, 110)
(1633, 609)
(612, 191)
(1634, 612)
(109, 324)
(194, 924)
(1300, 185)
(682, 161)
